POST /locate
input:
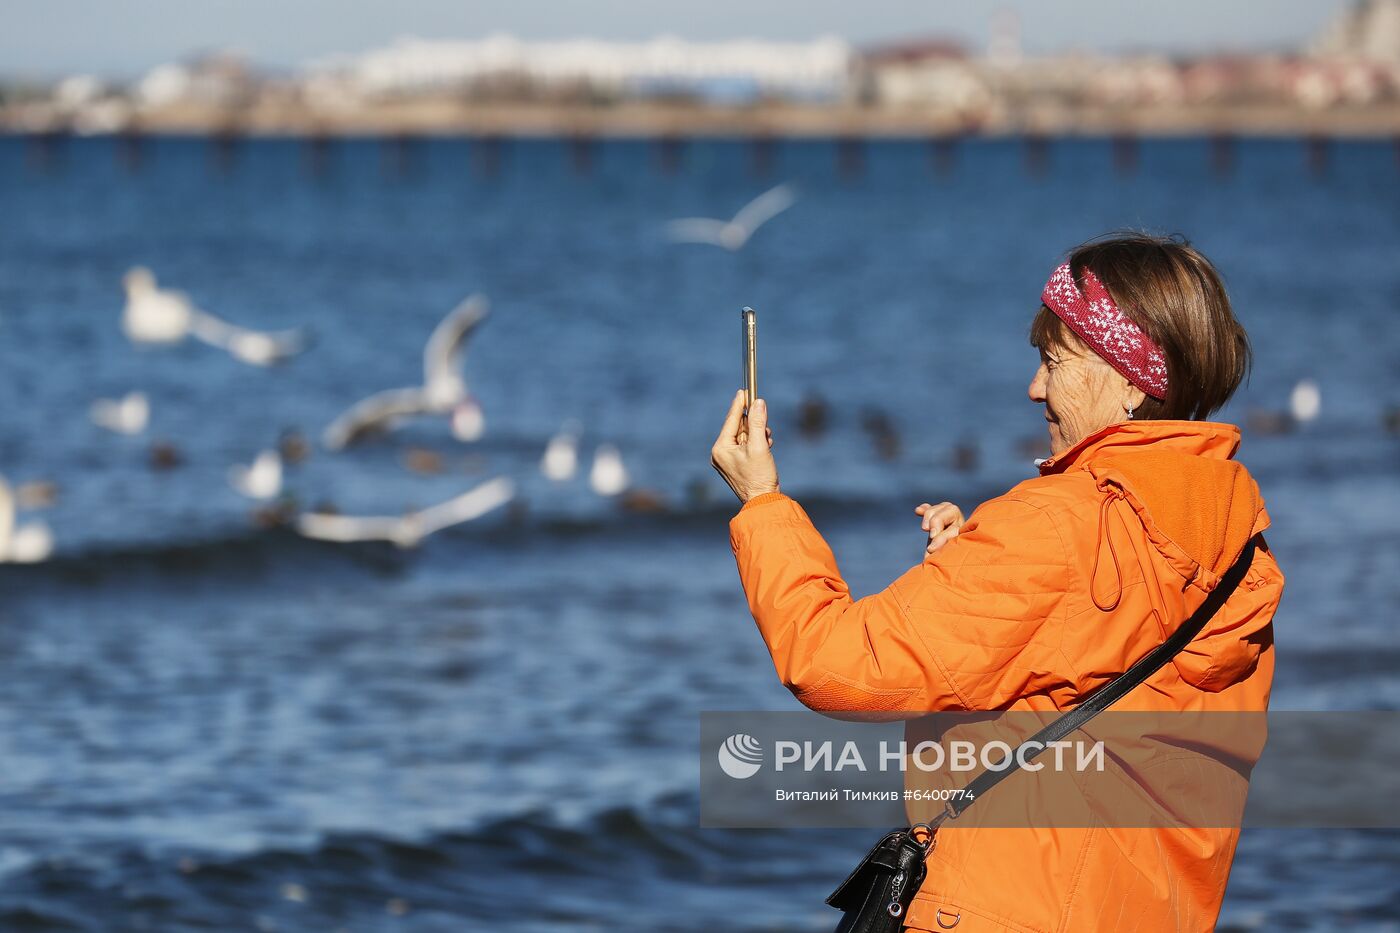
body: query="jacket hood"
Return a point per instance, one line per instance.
(1198, 508)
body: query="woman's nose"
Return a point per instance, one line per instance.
(1037, 386)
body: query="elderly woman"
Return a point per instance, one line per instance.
(1050, 591)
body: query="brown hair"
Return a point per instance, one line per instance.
(1165, 286)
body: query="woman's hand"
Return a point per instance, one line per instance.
(742, 454)
(942, 522)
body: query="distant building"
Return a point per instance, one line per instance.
(741, 69)
(1369, 29)
(933, 74)
(218, 79)
(1004, 45)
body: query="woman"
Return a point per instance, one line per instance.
(1049, 591)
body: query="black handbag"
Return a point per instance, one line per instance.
(876, 896)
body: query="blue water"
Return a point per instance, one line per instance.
(206, 723)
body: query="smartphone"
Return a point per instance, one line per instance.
(749, 342)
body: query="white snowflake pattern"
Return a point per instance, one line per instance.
(1096, 318)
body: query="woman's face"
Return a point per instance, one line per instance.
(1081, 393)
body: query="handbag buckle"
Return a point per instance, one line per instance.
(949, 813)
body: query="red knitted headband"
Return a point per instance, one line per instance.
(1095, 317)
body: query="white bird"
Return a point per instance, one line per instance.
(254, 347)
(608, 476)
(163, 316)
(126, 415)
(262, 480)
(1305, 401)
(21, 544)
(560, 460)
(733, 234)
(468, 420)
(407, 530)
(153, 314)
(443, 392)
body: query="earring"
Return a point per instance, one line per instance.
(1130, 414)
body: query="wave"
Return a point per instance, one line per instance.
(256, 552)
(624, 867)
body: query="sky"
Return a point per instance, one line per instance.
(123, 38)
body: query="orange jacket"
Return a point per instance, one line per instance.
(1048, 592)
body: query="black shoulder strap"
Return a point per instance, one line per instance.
(1115, 689)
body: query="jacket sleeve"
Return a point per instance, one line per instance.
(973, 627)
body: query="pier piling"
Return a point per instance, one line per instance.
(1319, 154)
(318, 154)
(47, 149)
(131, 148)
(224, 146)
(670, 150)
(487, 151)
(1222, 154)
(850, 157)
(399, 155)
(1037, 154)
(763, 153)
(1125, 153)
(943, 151)
(581, 153)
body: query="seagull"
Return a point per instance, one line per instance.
(1305, 401)
(162, 316)
(408, 530)
(262, 480)
(560, 460)
(733, 234)
(127, 415)
(254, 347)
(153, 314)
(608, 476)
(443, 392)
(21, 544)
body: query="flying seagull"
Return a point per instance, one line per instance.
(443, 392)
(163, 316)
(408, 530)
(733, 234)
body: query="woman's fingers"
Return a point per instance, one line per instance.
(944, 516)
(758, 426)
(742, 453)
(937, 542)
(938, 518)
(729, 434)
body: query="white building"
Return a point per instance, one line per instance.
(1369, 29)
(741, 67)
(936, 75)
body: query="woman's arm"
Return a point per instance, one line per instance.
(975, 626)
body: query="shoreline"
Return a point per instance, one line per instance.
(429, 117)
